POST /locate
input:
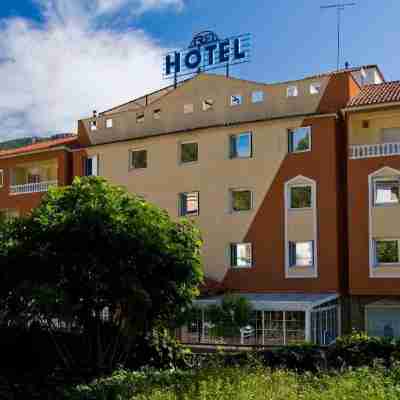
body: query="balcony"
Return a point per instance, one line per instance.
(36, 177)
(35, 187)
(374, 150)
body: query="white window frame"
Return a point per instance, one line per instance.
(380, 174)
(296, 265)
(1, 177)
(384, 179)
(290, 131)
(207, 107)
(298, 181)
(299, 185)
(180, 197)
(234, 245)
(95, 165)
(378, 264)
(188, 108)
(292, 91)
(109, 123)
(236, 96)
(313, 88)
(232, 191)
(254, 98)
(131, 167)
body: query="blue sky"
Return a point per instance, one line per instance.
(62, 58)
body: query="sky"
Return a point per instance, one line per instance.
(61, 59)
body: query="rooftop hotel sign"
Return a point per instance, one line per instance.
(206, 52)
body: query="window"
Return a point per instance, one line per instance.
(1, 177)
(236, 100)
(241, 256)
(301, 254)
(387, 251)
(292, 91)
(315, 88)
(140, 118)
(189, 152)
(386, 192)
(157, 113)
(138, 159)
(189, 204)
(257, 96)
(241, 200)
(299, 139)
(91, 166)
(109, 123)
(93, 125)
(300, 197)
(390, 135)
(208, 104)
(188, 108)
(241, 145)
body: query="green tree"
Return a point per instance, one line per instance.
(93, 249)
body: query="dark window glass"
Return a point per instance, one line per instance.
(139, 159)
(241, 200)
(300, 197)
(387, 251)
(189, 152)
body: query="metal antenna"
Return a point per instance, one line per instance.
(339, 8)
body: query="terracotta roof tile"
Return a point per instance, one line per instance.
(45, 145)
(387, 92)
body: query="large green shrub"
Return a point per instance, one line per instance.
(93, 247)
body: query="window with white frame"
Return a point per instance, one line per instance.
(241, 145)
(386, 251)
(93, 125)
(299, 139)
(241, 200)
(189, 152)
(292, 91)
(188, 108)
(257, 96)
(236, 100)
(91, 166)
(109, 123)
(300, 197)
(1, 177)
(189, 204)
(386, 191)
(301, 254)
(241, 255)
(208, 104)
(138, 159)
(315, 88)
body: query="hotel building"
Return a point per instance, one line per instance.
(282, 182)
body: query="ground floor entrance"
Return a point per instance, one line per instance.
(277, 319)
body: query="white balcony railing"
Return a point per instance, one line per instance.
(374, 150)
(32, 187)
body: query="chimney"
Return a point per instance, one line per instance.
(346, 65)
(94, 114)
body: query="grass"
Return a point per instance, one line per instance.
(255, 383)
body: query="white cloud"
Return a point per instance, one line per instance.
(55, 73)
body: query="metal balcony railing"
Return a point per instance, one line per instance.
(374, 150)
(32, 187)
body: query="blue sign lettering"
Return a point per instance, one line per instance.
(205, 52)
